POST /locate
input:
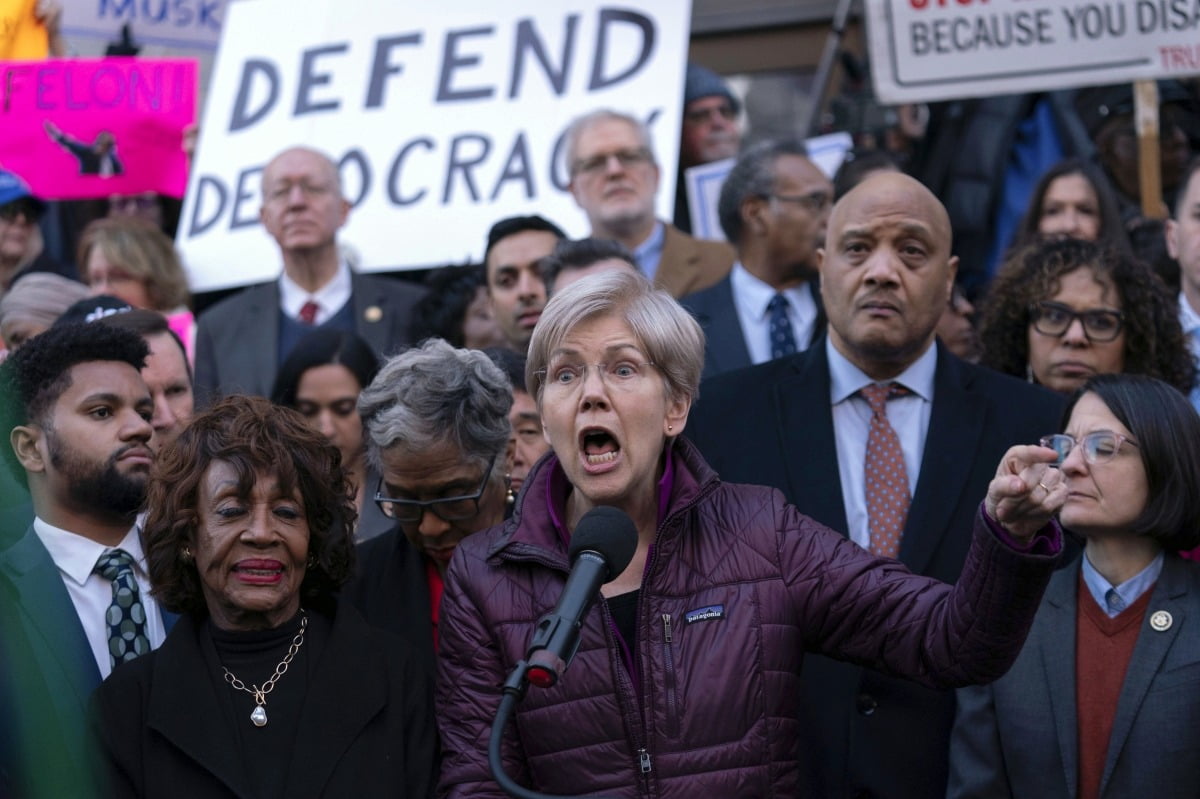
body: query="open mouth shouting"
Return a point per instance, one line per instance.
(599, 449)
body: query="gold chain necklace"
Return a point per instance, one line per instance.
(259, 716)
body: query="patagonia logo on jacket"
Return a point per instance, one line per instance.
(705, 614)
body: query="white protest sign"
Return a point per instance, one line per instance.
(443, 118)
(928, 50)
(189, 24)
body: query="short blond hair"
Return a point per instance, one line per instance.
(142, 250)
(667, 333)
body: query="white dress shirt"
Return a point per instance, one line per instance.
(75, 557)
(329, 298)
(908, 416)
(751, 297)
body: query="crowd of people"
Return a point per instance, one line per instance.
(296, 544)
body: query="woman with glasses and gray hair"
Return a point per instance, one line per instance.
(1062, 311)
(686, 679)
(436, 423)
(1102, 701)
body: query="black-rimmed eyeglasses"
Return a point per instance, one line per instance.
(449, 509)
(1054, 319)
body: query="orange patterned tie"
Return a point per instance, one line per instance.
(886, 480)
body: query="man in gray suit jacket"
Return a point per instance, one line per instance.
(774, 206)
(801, 424)
(241, 341)
(77, 414)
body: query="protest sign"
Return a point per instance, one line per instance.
(442, 118)
(81, 128)
(191, 24)
(927, 50)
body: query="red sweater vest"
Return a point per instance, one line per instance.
(1103, 647)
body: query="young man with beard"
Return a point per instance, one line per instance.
(78, 418)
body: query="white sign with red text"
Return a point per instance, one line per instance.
(929, 50)
(442, 117)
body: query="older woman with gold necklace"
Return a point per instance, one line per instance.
(268, 686)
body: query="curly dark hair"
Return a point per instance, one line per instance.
(253, 436)
(36, 375)
(443, 309)
(1154, 341)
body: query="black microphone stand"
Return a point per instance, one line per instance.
(514, 692)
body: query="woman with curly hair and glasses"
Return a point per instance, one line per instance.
(1062, 311)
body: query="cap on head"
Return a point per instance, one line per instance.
(89, 309)
(703, 82)
(12, 188)
(1097, 105)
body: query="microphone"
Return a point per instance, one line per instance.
(601, 548)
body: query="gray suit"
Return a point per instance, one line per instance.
(1018, 736)
(237, 340)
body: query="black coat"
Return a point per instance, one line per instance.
(367, 727)
(866, 734)
(389, 588)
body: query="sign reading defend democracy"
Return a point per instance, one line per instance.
(927, 50)
(443, 118)
(83, 128)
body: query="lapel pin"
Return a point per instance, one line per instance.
(373, 313)
(1161, 620)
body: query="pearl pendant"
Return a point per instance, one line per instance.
(259, 716)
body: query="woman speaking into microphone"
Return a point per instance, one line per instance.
(686, 679)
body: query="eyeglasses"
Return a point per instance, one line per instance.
(620, 375)
(23, 207)
(598, 163)
(282, 191)
(1099, 447)
(1054, 319)
(449, 509)
(816, 201)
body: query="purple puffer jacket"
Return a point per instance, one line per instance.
(737, 586)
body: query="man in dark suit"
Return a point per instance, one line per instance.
(77, 414)
(241, 341)
(774, 206)
(805, 425)
(614, 179)
(98, 158)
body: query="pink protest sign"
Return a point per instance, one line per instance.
(82, 128)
